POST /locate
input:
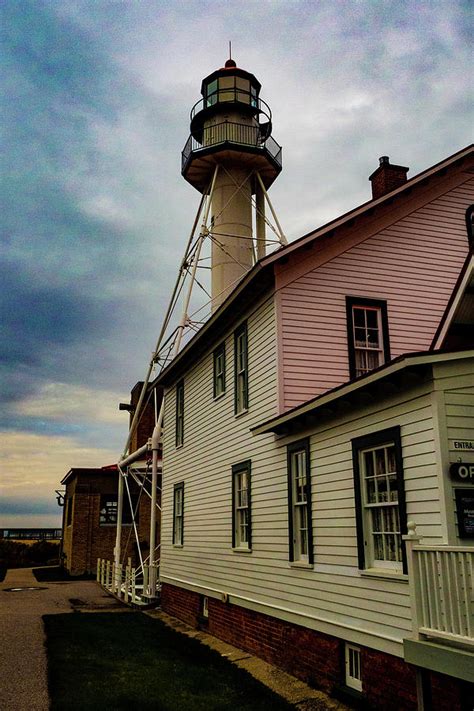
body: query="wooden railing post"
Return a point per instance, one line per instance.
(414, 581)
(128, 570)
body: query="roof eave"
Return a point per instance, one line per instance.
(402, 363)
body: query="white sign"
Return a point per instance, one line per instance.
(461, 445)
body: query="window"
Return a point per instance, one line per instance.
(205, 607)
(219, 371)
(69, 511)
(380, 500)
(109, 507)
(367, 335)
(241, 369)
(241, 516)
(178, 514)
(180, 413)
(299, 503)
(353, 669)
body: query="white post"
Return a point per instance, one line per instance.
(134, 589)
(412, 539)
(118, 534)
(107, 575)
(260, 220)
(128, 570)
(118, 580)
(283, 239)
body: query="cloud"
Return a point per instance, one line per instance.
(68, 403)
(33, 465)
(95, 213)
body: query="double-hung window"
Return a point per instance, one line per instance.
(380, 500)
(180, 413)
(241, 514)
(178, 514)
(367, 334)
(219, 371)
(299, 503)
(241, 369)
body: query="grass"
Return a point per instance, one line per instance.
(118, 661)
(55, 573)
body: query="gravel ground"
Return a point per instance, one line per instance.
(23, 670)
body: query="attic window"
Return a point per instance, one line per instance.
(367, 335)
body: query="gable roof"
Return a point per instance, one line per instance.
(460, 308)
(261, 277)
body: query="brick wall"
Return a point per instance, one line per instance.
(85, 540)
(389, 683)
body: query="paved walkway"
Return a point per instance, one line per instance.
(23, 670)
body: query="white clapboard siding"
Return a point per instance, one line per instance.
(334, 596)
(457, 385)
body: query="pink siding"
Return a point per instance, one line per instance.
(413, 264)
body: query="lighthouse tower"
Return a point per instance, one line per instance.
(231, 155)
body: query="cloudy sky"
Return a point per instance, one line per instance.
(95, 214)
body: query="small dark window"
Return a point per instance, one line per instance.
(180, 413)
(367, 335)
(380, 500)
(241, 369)
(109, 507)
(219, 370)
(178, 514)
(299, 503)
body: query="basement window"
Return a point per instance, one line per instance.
(353, 667)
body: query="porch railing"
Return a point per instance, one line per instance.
(441, 582)
(129, 584)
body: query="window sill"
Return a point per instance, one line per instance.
(218, 397)
(387, 574)
(303, 566)
(241, 413)
(242, 550)
(179, 446)
(178, 545)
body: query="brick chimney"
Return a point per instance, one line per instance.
(387, 177)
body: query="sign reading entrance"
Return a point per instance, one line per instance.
(462, 472)
(466, 445)
(465, 512)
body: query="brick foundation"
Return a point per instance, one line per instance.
(389, 683)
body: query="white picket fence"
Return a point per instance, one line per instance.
(128, 583)
(441, 582)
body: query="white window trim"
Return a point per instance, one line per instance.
(373, 563)
(178, 516)
(237, 471)
(352, 658)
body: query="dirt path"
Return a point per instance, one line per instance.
(23, 670)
